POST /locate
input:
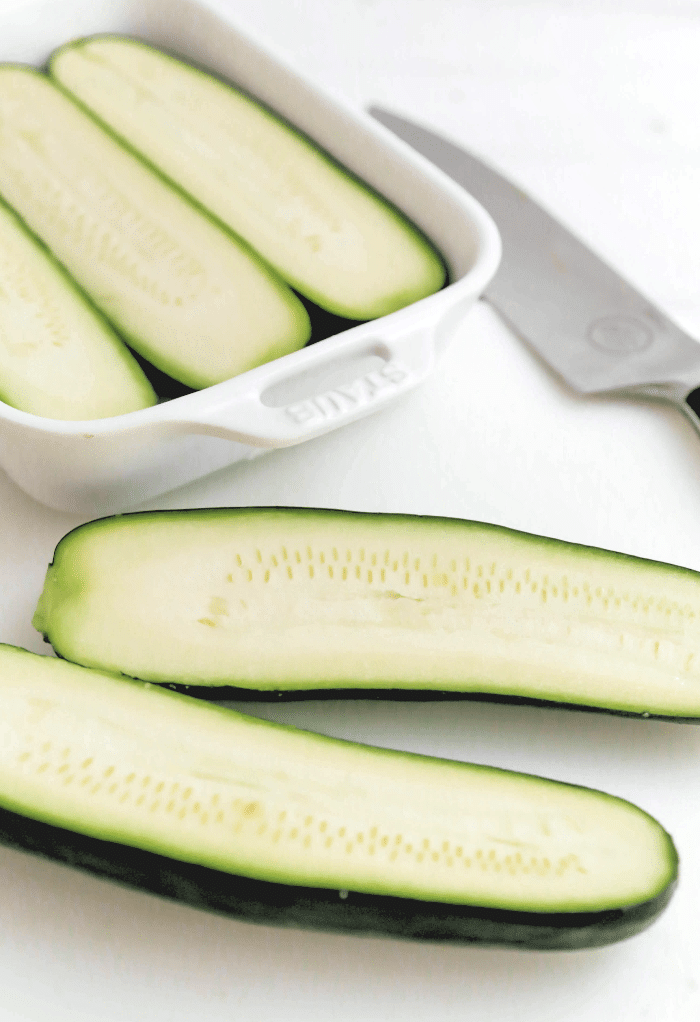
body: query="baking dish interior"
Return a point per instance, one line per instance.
(32, 29)
(109, 464)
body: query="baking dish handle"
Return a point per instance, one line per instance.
(258, 417)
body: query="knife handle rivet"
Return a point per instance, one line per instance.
(619, 335)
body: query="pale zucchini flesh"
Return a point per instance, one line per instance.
(184, 293)
(331, 237)
(297, 601)
(134, 766)
(58, 357)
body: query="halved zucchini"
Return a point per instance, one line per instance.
(58, 357)
(329, 235)
(309, 602)
(272, 824)
(184, 293)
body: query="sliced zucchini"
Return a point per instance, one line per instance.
(184, 293)
(58, 357)
(277, 825)
(320, 602)
(331, 237)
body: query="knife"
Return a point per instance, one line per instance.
(587, 323)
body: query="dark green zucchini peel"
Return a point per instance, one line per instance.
(221, 810)
(286, 602)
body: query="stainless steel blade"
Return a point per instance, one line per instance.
(585, 321)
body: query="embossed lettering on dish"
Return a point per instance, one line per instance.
(348, 396)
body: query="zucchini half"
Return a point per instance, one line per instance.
(185, 294)
(313, 602)
(58, 357)
(272, 824)
(330, 236)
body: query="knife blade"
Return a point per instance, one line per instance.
(587, 323)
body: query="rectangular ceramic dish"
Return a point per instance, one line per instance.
(106, 465)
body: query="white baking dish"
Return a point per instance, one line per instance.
(106, 465)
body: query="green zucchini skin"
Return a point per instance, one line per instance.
(230, 693)
(312, 908)
(328, 234)
(531, 620)
(188, 296)
(58, 357)
(180, 798)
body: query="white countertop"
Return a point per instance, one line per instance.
(595, 111)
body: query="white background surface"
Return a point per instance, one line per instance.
(594, 109)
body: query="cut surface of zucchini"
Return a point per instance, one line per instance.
(482, 851)
(58, 357)
(183, 292)
(295, 600)
(331, 237)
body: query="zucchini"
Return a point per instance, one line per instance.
(331, 237)
(272, 824)
(316, 602)
(58, 357)
(181, 291)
